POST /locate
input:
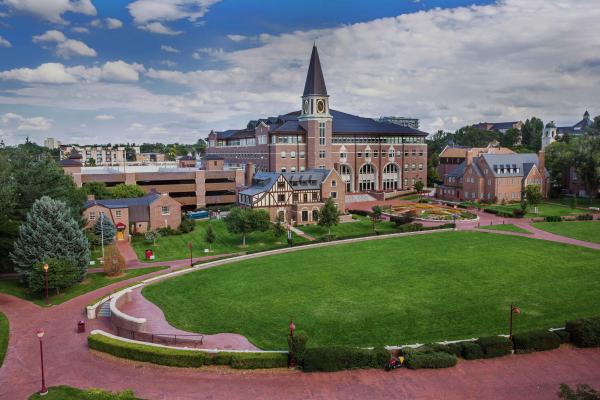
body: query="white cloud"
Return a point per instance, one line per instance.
(80, 29)
(65, 47)
(4, 42)
(237, 38)
(149, 14)
(157, 27)
(113, 23)
(26, 124)
(56, 73)
(136, 127)
(169, 63)
(208, 51)
(169, 49)
(52, 10)
(96, 23)
(104, 117)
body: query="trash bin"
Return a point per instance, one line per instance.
(81, 327)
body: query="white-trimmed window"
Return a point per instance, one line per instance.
(343, 155)
(333, 183)
(302, 154)
(92, 216)
(293, 169)
(321, 153)
(322, 133)
(283, 169)
(118, 214)
(165, 210)
(302, 168)
(283, 154)
(333, 195)
(292, 154)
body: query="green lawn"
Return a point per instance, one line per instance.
(544, 209)
(448, 285)
(361, 226)
(581, 202)
(92, 282)
(505, 227)
(175, 247)
(582, 230)
(3, 337)
(71, 393)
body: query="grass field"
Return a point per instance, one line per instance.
(71, 393)
(588, 231)
(544, 209)
(505, 227)
(3, 337)
(449, 285)
(175, 247)
(92, 282)
(361, 226)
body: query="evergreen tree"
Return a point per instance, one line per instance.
(329, 215)
(377, 213)
(209, 236)
(49, 231)
(61, 274)
(104, 228)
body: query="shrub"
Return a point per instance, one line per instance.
(152, 354)
(337, 358)
(563, 335)
(505, 214)
(585, 217)
(401, 219)
(490, 210)
(61, 274)
(584, 332)
(536, 340)
(495, 346)
(553, 218)
(414, 227)
(517, 213)
(258, 360)
(114, 263)
(472, 351)
(582, 392)
(450, 348)
(433, 359)
(362, 213)
(167, 231)
(297, 346)
(187, 225)
(423, 201)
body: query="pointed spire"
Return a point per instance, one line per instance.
(586, 115)
(315, 83)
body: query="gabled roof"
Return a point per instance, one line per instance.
(261, 182)
(315, 83)
(70, 162)
(309, 179)
(122, 203)
(290, 126)
(510, 162)
(352, 124)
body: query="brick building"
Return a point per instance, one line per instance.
(494, 177)
(452, 156)
(369, 155)
(294, 197)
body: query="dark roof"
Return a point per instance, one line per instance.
(289, 127)
(137, 207)
(523, 162)
(212, 157)
(187, 158)
(353, 124)
(309, 179)
(261, 182)
(70, 162)
(315, 83)
(75, 155)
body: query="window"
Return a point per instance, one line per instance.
(304, 197)
(333, 195)
(321, 153)
(302, 169)
(165, 210)
(302, 154)
(283, 169)
(420, 167)
(92, 216)
(383, 154)
(293, 169)
(281, 197)
(118, 213)
(321, 166)
(333, 183)
(489, 182)
(280, 184)
(405, 153)
(367, 154)
(283, 154)
(414, 152)
(414, 167)
(292, 154)
(304, 215)
(375, 153)
(295, 197)
(406, 167)
(391, 153)
(359, 154)
(343, 155)
(322, 133)
(315, 196)
(315, 215)
(262, 139)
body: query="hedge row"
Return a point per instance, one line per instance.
(429, 356)
(184, 358)
(337, 358)
(585, 217)
(584, 332)
(537, 340)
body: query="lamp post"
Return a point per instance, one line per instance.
(45, 267)
(190, 247)
(292, 358)
(102, 233)
(43, 391)
(454, 216)
(513, 310)
(292, 328)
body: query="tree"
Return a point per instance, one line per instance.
(278, 229)
(329, 215)
(583, 392)
(91, 162)
(419, 186)
(61, 274)
(376, 214)
(533, 194)
(574, 202)
(104, 228)
(152, 237)
(98, 190)
(209, 236)
(531, 133)
(114, 262)
(586, 162)
(50, 231)
(123, 191)
(247, 220)
(510, 138)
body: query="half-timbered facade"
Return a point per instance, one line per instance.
(294, 197)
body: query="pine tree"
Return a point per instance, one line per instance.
(49, 231)
(209, 236)
(106, 225)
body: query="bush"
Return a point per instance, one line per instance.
(258, 360)
(61, 274)
(563, 335)
(114, 263)
(362, 213)
(582, 392)
(414, 227)
(450, 348)
(490, 210)
(472, 351)
(152, 354)
(187, 225)
(495, 346)
(167, 231)
(553, 218)
(584, 332)
(518, 213)
(505, 214)
(585, 217)
(433, 359)
(423, 201)
(297, 346)
(337, 358)
(536, 340)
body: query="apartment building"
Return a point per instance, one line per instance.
(52, 143)
(452, 156)
(97, 155)
(369, 155)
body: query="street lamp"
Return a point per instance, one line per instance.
(454, 217)
(190, 247)
(43, 391)
(513, 310)
(45, 267)
(292, 328)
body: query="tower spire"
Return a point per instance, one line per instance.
(315, 83)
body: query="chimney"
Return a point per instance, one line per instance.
(91, 197)
(542, 161)
(469, 157)
(249, 173)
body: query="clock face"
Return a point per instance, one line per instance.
(320, 106)
(306, 108)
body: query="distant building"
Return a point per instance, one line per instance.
(294, 197)
(150, 157)
(402, 121)
(552, 132)
(52, 143)
(452, 156)
(98, 155)
(499, 127)
(188, 161)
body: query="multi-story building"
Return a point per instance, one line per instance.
(294, 197)
(369, 155)
(500, 127)
(52, 143)
(494, 177)
(98, 155)
(150, 157)
(402, 121)
(452, 156)
(552, 132)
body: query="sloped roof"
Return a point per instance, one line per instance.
(122, 203)
(261, 182)
(291, 126)
(315, 82)
(353, 124)
(309, 179)
(511, 161)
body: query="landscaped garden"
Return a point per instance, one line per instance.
(544, 209)
(360, 226)
(3, 337)
(506, 228)
(91, 282)
(450, 285)
(175, 247)
(588, 231)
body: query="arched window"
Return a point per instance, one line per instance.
(346, 174)
(391, 177)
(367, 178)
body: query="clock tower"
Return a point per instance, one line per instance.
(315, 117)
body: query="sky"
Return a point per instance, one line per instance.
(99, 71)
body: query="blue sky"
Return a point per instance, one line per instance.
(91, 71)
